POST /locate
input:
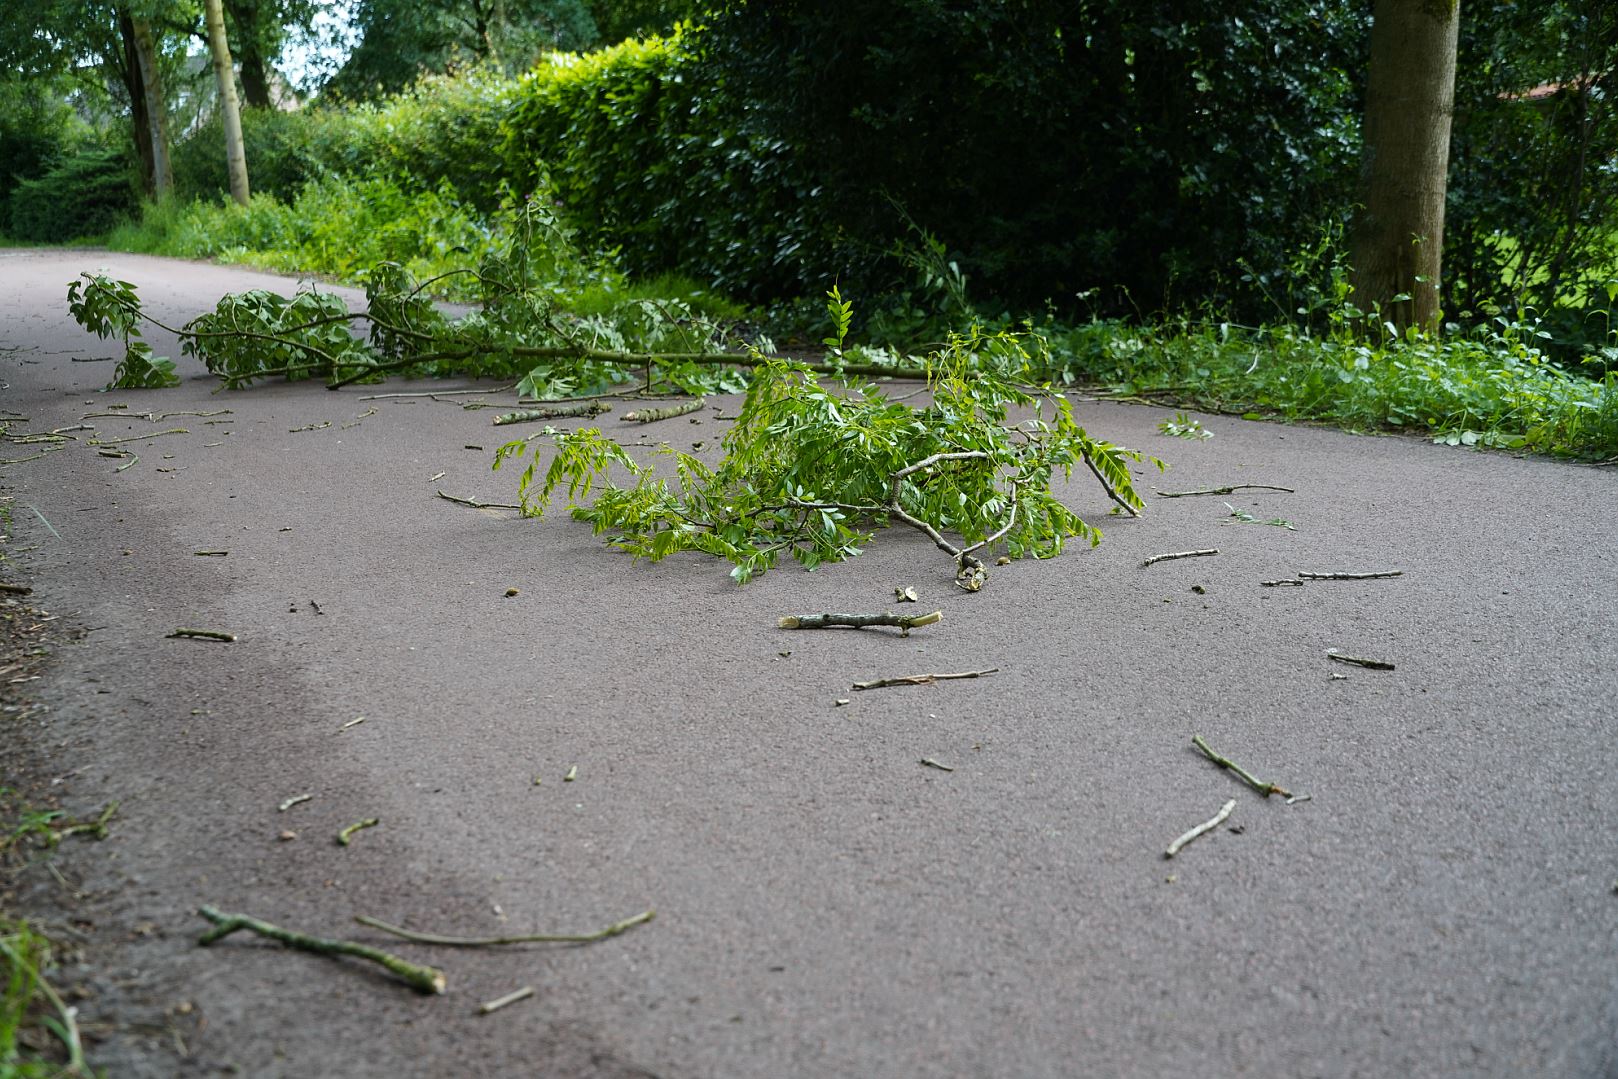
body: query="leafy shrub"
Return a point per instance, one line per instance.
(36, 130)
(83, 195)
(281, 153)
(649, 156)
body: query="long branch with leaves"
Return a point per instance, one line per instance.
(815, 471)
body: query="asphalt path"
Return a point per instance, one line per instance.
(1443, 904)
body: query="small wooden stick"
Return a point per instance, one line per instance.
(422, 979)
(1358, 661)
(347, 834)
(652, 415)
(16, 589)
(930, 763)
(211, 554)
(1232, 489)
(1305, 576)
(296, 799)
(920, 679)
(1266, 789)
(475, 504)
(490, 942)
(510, 998)
(204, 634)
(1178, 554)
(1291, 582)
(1202, 829)
(904, 622)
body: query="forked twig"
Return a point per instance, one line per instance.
(920, 679)
(422, 979)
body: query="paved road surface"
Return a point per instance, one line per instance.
(826, 905)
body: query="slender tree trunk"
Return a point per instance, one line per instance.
(1409, 101)
(235, 152)
(156, 110)
(129, 73)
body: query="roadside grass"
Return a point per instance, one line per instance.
(39, 1034)
(1493, 387)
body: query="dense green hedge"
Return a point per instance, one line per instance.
(647, 155)
(81, 196)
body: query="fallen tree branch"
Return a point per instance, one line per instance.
(475, 504)
(1202, 829)
(1178, 554)
(905, 622)
(1266, 789)
(1358, 661)
(652, 415)
(490, 942)
(551, 412)
(204, 634)
(1304, 576)
(422, 979)
(1232, 489)
(921, 679)
(437, 393)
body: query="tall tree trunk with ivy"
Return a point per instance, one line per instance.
(245, 17)
(1409, 101)
(229, 107)
(123, 60)
(157, 122)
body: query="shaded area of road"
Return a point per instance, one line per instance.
(1444, 904)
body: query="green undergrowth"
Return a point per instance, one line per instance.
(1493, 387)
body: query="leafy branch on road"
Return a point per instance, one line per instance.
(814, 471)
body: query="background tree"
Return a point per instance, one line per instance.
(230, 110)
(1409, 102)
(258, 30)
(401, 40)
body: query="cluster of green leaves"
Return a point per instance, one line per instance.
(1492, 387)
(521, 326)
(109, 308)
(81, 195)
(814, 471)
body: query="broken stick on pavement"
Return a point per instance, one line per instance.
(422, 979)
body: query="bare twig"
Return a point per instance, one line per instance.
(1179, 554)
(16, 589)
(930, 763)
(905, 622)
(422, 979)
(1232, 489)
(652, 415)
(437, 393)
(1107, 487)
(1202, 829)
(211, 554)
(1358, 661)
(510, 998)
(1266, 789)
(490, 942)
(204, 634)
(296, 799)
(1291, 582)
(921, 679)
(1305, 576)
(475, 504)
(136, 438)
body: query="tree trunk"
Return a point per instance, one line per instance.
(235, 152)
(1409, 100)
(127, 64)
(157, 120)
(244, 16)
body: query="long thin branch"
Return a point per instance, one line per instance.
(477, 505)
(1225, 490)
(422, 979)
(921, 679)
(1266, 789)
(1304, 576)
(1179, 554)
(528, 938)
